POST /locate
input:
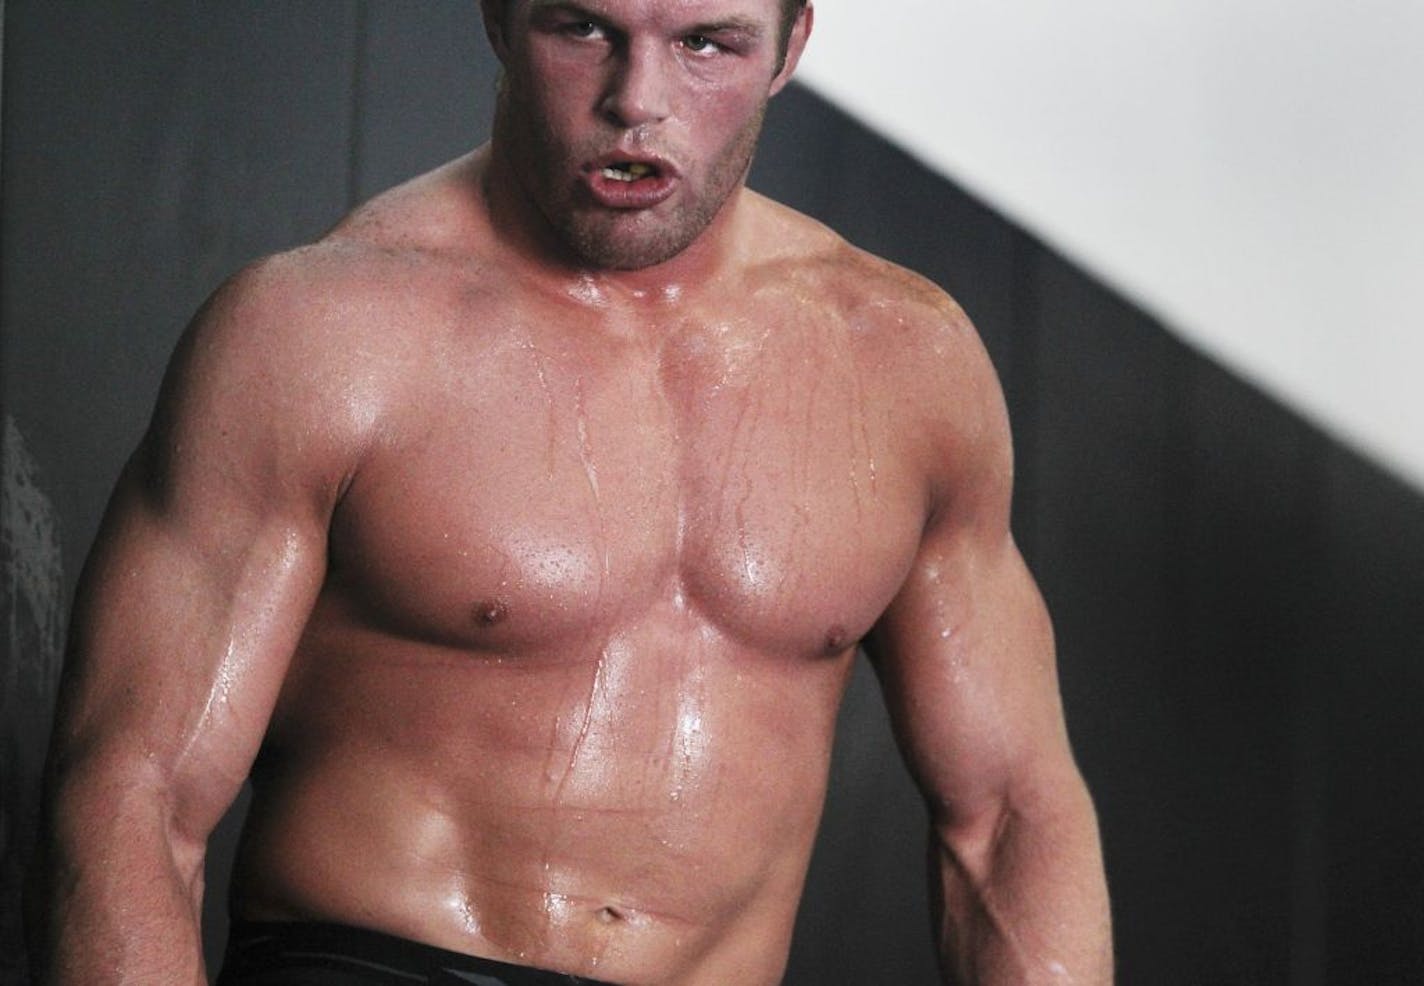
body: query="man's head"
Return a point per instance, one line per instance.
(629, 124)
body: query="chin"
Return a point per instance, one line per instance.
(622, 249)
(622, 256)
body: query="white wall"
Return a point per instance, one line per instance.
(1252, 172)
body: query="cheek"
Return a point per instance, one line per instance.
(724, 109)
(562, 86)
(731, 123)
(565, 67)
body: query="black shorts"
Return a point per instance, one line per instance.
(280, 953)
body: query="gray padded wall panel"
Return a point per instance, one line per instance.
(154, 148)
(150, 150)
(426, 89)
(1370, 631)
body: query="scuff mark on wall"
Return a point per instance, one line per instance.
(33, 571)
(32, 597)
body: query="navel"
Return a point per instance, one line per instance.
(489, 612)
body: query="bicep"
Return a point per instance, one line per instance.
(966, 662)
(180, 640)
(179, 644)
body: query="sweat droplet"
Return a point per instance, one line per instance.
(488, 612)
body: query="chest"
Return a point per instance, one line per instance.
(549, 489)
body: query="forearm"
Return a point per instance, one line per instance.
(123, 895)
(1025, 901)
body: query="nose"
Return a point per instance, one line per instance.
(638, 91)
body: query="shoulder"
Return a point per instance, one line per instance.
(292, 319)
(938, 385)
(301, 362)
(365, 301)
(914, 347)
(905, 326)
(296, 359)
(872, 295)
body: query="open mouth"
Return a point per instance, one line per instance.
(630, 183)
(629, 171)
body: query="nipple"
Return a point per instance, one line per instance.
(489, 612)
(837, 637)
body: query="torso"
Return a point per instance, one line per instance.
(568, 694)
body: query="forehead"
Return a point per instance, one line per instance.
(680, 12)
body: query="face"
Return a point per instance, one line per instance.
(630, 123)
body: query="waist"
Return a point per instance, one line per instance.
(260, 952)
(529, 869)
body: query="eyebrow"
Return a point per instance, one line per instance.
(539, 6)
(550, 6)
(732, 25)
(741, 25)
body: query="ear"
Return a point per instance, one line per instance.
(494, 15)
(795, 45)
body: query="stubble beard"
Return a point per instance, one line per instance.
(615, 239)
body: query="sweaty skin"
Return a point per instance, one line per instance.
(526, 591)
(571, 681)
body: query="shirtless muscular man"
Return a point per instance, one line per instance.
(516, 539)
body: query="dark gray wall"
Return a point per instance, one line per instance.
(1237, 597)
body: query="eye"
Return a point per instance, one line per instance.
(583, 29)
(699, 43)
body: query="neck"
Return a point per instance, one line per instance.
(524, 231)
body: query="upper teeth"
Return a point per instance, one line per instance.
(629, 172)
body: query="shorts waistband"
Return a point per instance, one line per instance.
(269, 953)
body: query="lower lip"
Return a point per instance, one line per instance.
(643, 193)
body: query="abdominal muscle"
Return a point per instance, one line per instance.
(636, 810)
